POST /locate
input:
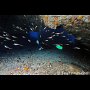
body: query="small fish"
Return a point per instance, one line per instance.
(63, 36)
(67, 39)
(76, 48)
(32, 23)
(17, 27)
(20, 45)
(53, 35)
(29, 40)
(57, 33)
(45, 28)
(67, 44)
(46, 40)
(37, 42)
(23, 37)
(13, 40)
(7, 47)
(24, 15)
(1, 37)
(36, 27)
(16, 44)
(14, 36)
(86, 49)
(7, 34)
(4, 32)
(21, 28)
(49, 37)
(31, 29)
(62, 32)
(8, 38)
(4, 35)
(53, 32)
(40, 36)
(26, 32)
(61, 44)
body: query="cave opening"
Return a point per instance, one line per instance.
(44, 44)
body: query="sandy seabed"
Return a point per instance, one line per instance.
(44, 62)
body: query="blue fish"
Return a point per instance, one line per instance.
(35, 37)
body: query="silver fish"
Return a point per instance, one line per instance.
(76, 48)
(14, 36)
(16, 44)
(7, 47)
(20, 45)
(63, 36)
(57, 33)
(21, 28)
(4, 35)
(37, 42)
(4, 32)
(67, 44)
(31, 29)
(46, 40)
(13, 40)
(24, 15)
(7, 34)
(61, 44)
(1, 37)
(62, 32)
(17, 27)
(49, 37)
(26, 32)
(53, 32)
(8, 38)
(23, 37)
(32, 24)
(53, 35)
(45, 28)
(40, 36)
(35, 27)
(86, 49)
(29, 40)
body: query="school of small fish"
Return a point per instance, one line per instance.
(7, 37)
